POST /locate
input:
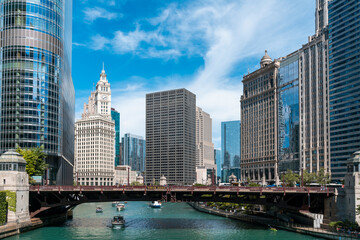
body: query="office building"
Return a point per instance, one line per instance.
(37, 98)
(171, 137)
(115, 116)
(124, 175)
(259, 123)
(314, 98)
(344, 83)
(288, 114)
(134, 152)
(204, 145)
(217, 159)
(230, 149)
(95, 139)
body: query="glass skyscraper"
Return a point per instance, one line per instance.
(36, 89)
(344, 83)
(217, 156)
(288, 114)
(230, 149)
(134, 152)
(115, 116)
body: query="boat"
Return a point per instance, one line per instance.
(125, 202)
(155, 204)
(115, 203)
(120, 207)
(118, 221)
(272, 228)
(99, 210)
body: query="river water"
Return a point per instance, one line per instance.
(172, 221)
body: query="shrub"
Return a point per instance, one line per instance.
(3, 208)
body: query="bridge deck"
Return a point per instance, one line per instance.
(190, 189)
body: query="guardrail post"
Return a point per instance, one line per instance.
(59, 190)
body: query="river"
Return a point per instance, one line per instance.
(172, 221)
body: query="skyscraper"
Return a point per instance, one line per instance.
(95, 139)
(314, 98)
(217, 158)
(204, 145)
(36, 89)
(134, 152)
(288, 114)
(170, 136)
(230, 149)
(115, 116)
(259, 122)
(344, 83)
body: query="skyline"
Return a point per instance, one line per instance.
(204, 46)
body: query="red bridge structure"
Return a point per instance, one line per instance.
(48, 200)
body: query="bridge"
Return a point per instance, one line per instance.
(47, 200)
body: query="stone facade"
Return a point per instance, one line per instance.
(259, 122)
(314, 97)
(125, 176)
(204, 145)
(95, 139)
(14, 178)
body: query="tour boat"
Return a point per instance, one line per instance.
(99, 210)
(155, 204)
(118, 221)
(120, 207)
(272, 228)
(114, 204)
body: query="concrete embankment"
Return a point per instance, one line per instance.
(273, 222)
(11, 229)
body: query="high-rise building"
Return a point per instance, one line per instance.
(344, 83)
(217, 158)
(95, 139)
(259, 122)
(134, 152)
(37, 98)
(204, 145)
(288, 114)
(115, 116)
(230, 149)
(171, 137)
(314, 98)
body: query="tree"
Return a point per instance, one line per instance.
(290, 178)
(35, 160)
(322, 178)
(308, 178)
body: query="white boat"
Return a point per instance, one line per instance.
(114, 204)
(155, 204)
(99, 210)
(120, 207)
(118, 221)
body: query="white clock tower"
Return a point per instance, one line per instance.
(103, 96)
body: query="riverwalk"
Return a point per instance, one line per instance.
(316, 232)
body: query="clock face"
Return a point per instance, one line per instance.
(104, 97)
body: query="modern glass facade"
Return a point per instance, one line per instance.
(36, 89)
(134, 152)
(115, 116)
(344, 83)
(288, 118)
(230, 149)
(217, 156)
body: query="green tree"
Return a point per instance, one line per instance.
(322, 178)
(35, 160)
(290, 178)
(308, 178)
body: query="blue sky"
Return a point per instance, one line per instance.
(205, 46)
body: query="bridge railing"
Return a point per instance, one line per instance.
(187, 189)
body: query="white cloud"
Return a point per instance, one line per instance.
(91, 14)
(225, 33)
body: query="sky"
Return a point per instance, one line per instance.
(205, 46)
